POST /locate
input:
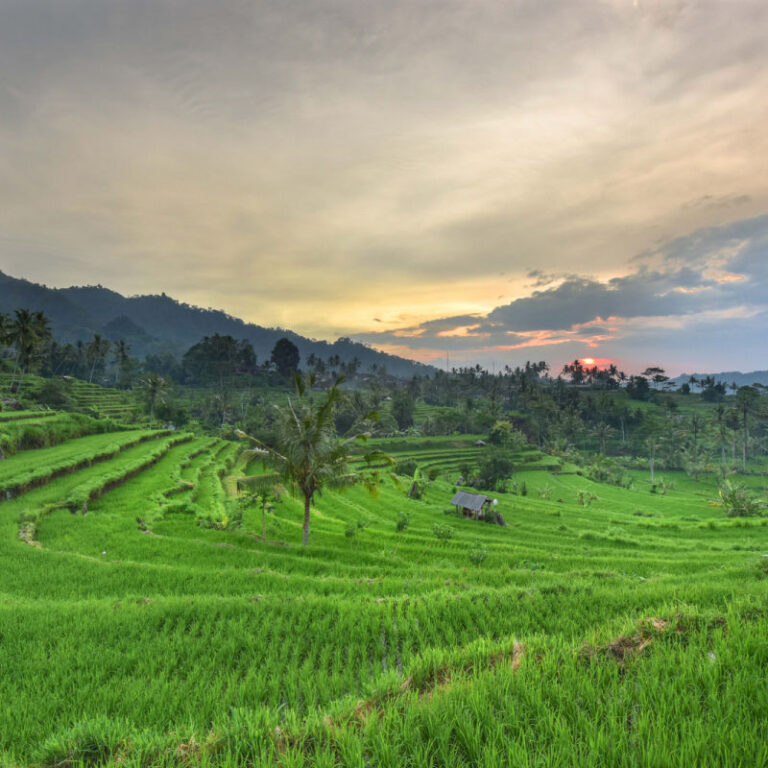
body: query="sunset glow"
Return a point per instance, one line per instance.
(387, 177)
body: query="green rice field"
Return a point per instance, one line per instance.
(140, 626)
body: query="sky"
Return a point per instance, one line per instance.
(469, 181)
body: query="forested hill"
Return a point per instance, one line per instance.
(155, 324)
(726, 377)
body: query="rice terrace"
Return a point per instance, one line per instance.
(146, 622)
(383, 384)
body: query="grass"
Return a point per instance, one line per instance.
(627, 632)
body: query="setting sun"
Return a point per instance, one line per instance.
(588, 360)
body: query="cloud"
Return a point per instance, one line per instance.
(727, 284)
(317, 165)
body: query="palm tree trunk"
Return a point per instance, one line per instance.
(15, 369)
(744, 446)
(305, 538)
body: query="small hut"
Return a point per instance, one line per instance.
(471, 504)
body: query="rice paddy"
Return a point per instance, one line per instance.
(144, 623)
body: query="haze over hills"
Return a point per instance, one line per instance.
(727, 377)
(155, 324)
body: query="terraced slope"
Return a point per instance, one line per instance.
(448, 454)
(42, 429)
(87, 397)
(152, 632)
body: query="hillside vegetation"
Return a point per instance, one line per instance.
(160, 325)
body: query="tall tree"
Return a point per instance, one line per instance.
(120, 358)
(96, 350)
(309, 455)
(603, 432)
(747, 402)
(285, 357)
(154, 389)
(403, 407)
(27, 332)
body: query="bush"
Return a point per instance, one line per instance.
(403, 521)
(406, 467)
(443, 532)
(736, 501)
(478, 554)
(55, 393)
(585, 498)
(495, 468)
(504, 435)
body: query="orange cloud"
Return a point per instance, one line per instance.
(463, 331)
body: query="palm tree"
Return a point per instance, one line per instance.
(696, 424)
(5, 327)
(722, 430)
(20, 336)
(602, 432)
(747, 400)
(652, 444)
(154, 389)
(120, 358)
(310, 456)
(96, 350)
(265, 491)
(26, 332)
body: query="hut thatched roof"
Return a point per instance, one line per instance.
(473, 501)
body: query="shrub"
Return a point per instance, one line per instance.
(495, 468)
(585, 498)
(735, 499)
(403, 521)
(478, 554)
(443, 532)
(55, 393)
(406, 467)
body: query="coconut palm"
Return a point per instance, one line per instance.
(265, 491)
(603, 432)
(120, 358)
(5, 326)
(26, 332)
(747, 402)
(695, 425)
(309, 455)
(96, 351)
(652, 444)
(154, 389)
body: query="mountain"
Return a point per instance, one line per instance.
(158, 324)
(741, 379)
